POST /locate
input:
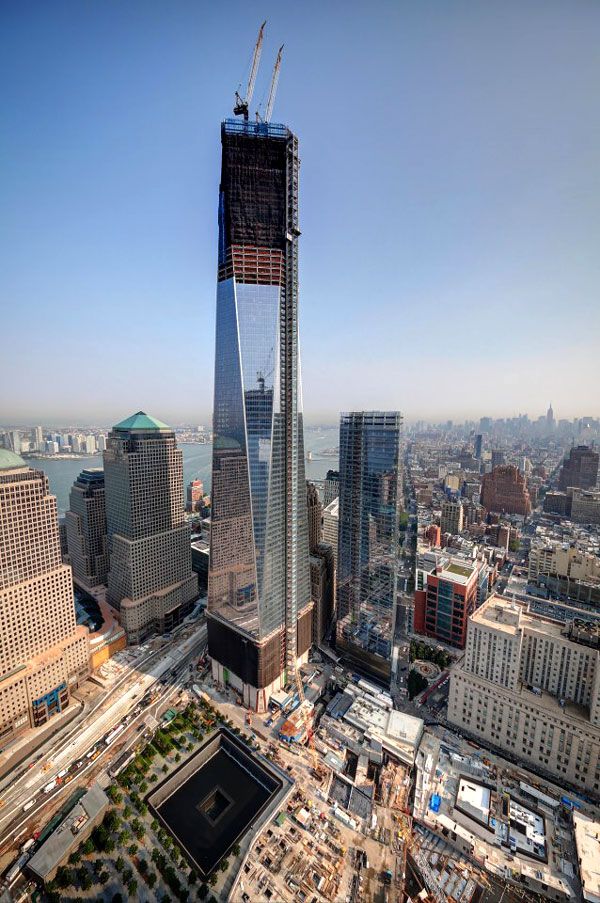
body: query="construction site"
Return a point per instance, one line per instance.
(386, 811)
(347, 831)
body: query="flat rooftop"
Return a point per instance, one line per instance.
(211, 801)
(500, 613)
(587, 841)
(67, 836)
(398, 732)
(457, 572)
(527, 830)
(509, 616)
(201, 545)
(474, 799)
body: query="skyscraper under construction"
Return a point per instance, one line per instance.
(259, 605)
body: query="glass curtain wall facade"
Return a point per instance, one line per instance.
(369, 507)
(259, 579)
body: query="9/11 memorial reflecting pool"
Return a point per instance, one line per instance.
(212, 801)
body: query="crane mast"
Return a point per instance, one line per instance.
(241, 103)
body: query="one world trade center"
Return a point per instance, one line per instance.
(259, 606)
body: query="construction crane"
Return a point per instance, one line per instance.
(261, 376)
(273, 88)
(241, 103)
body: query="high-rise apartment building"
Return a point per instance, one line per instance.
(504, 491)
(44, 655)
(150, 580)
(451, 520)
(12, 441)
(530, 685)
(369, 507)
(579, 469)
(478, 446)
(86, 529)
(259, 605)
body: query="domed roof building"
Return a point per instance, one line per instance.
(10, 461)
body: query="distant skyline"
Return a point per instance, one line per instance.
(70, 423)
(449, 204)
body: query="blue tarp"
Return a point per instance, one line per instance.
(435, 802)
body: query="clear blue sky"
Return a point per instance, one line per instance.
(450, 202)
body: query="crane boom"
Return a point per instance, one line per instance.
(273, 89)
(241, 103)
(255, 62)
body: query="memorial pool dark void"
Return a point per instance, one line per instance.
(210, 802)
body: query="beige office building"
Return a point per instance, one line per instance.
(451, 520)
(530, 685)
(585, 505)
(331, 526)
(44, 655)
(150, 580)
(553, 558)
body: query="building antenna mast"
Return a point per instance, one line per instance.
(241, 104)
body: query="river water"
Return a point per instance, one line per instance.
(197, 460)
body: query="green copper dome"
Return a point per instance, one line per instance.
(10, 461)
(141, 421)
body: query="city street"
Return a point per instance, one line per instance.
(84, 750)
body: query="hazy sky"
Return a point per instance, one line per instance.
(450, 202)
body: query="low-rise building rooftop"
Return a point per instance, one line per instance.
(69, 834)
(587, 843)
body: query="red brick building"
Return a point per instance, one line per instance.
(433, 534)
(504, 491)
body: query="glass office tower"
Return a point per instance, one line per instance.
(259, 607)
(369, 508)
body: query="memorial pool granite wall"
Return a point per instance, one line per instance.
(268, 776)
